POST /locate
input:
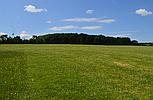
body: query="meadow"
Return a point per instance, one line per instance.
(75, 72)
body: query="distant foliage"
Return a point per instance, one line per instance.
(69, 38)
(75, 38)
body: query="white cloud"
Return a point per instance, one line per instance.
(49, 21)
(2, 33)
(70, 27)
(34, 9)
(80, 20)
(99, 20)
(60, 28)
(91, 27)
(121, 35)
(143, 12)
(107, 20)
(25, 35)
(89, 12)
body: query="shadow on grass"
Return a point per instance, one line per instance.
(13, 75)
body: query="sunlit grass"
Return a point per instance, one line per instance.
(75, 72)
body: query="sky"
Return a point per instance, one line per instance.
(123, 18)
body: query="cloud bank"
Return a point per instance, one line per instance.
(25, 35)
(2, 33)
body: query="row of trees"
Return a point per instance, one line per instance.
(4, 39)
(69, 38)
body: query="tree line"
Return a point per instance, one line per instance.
(68, 38)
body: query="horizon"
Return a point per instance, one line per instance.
(120, 18)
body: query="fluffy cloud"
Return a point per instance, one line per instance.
(70, 27)
(143, 12)
(99, 20)
(89, 12)
(2, 33)
(25, 35)
(33, 9)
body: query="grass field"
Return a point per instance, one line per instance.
(76, 72)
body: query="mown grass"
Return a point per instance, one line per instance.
(76, 72)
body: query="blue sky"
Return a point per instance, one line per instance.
(132, 18)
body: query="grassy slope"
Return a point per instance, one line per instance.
(75, 72)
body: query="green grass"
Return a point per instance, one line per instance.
(76, 72)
